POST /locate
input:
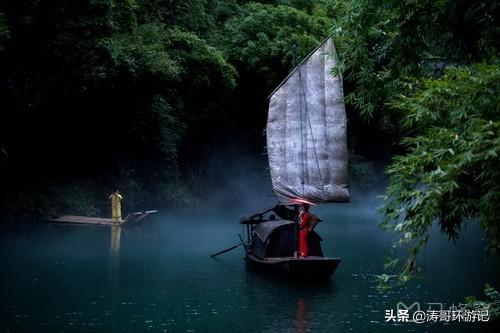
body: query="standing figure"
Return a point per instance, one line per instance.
(304, 219)
(116, 206)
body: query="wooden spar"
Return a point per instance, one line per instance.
(134, 218)
(143, 216)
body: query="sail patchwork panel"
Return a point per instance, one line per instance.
(306, 132)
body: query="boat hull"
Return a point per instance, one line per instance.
(309, 269)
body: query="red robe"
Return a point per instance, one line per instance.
(304, 234)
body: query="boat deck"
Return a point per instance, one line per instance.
(85, 220)
(278, 259)
(131, 219)
(272, 260)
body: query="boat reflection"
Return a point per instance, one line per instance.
(300, 302)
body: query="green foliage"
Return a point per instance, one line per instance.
(4, 31)
(364, 36)
(450, 170)
(169, 127)
(202, 64)
(382, 43)
(137, 85)
(122, 14)
(197, 16)
(492, 303)
(167, 55)
(122, 82)
(145, 50)
(261, 37)
(408, 70)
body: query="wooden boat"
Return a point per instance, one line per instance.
(306, 135)
(132, 219)
(307, 150)
(271, 245)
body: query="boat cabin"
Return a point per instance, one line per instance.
(273, 233)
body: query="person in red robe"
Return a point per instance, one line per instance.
(304, 219)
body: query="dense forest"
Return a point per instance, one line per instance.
(134, 94)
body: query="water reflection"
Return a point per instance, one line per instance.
(161, 278)
(114, 258)
(287, 306)
(301, 323)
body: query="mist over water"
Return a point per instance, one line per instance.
(160, 278)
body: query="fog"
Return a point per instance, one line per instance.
(159, 277)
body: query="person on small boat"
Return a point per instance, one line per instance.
(116, 206)
(304, 221)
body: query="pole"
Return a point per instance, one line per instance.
(294, 55)
(297, 231)
(226, 250)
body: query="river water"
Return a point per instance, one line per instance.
(160, 278)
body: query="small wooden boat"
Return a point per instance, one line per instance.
(306, 141)
(132, 219)
(307, 153)
(271, 245)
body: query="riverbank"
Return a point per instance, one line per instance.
(89, 197)
(227, 172)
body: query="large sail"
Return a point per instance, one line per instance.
(306, 132)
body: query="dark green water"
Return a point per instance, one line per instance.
(160, 278)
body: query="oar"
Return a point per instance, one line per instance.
(226, 250)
